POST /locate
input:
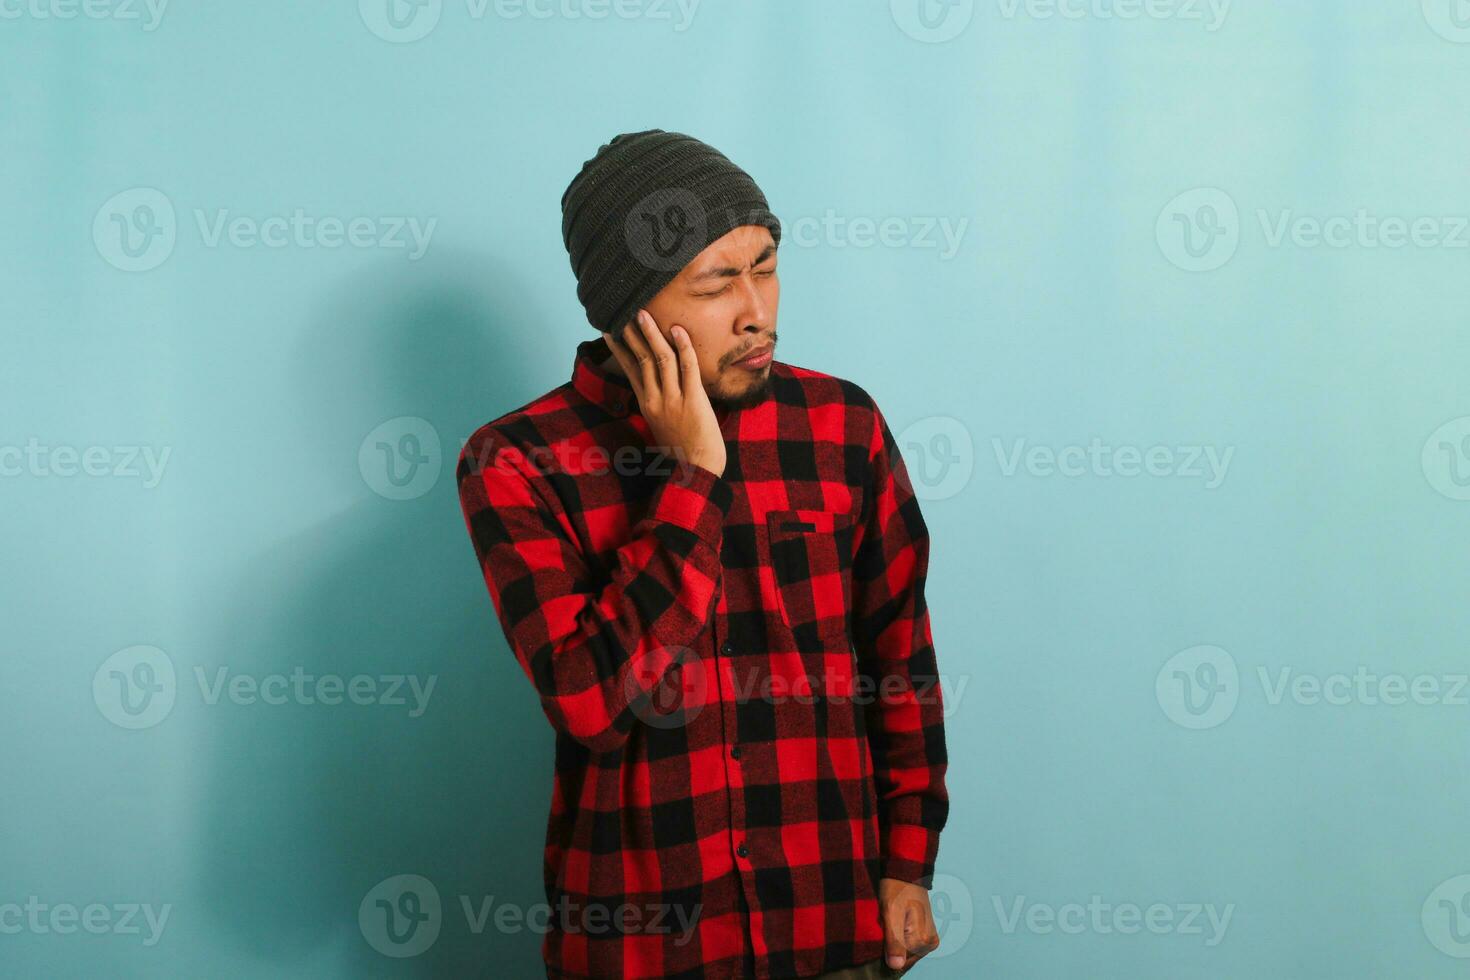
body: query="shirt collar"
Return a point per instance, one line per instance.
(611, 392)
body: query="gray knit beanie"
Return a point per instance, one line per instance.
(641, 209)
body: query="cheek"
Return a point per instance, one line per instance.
(709, 360)
(705, 351)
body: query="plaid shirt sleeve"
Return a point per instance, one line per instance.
(594, 649)
(895, 651)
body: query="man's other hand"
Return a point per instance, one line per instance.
(908, 922)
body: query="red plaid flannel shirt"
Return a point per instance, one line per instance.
(738, 668)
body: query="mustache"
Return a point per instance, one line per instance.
(769, 341)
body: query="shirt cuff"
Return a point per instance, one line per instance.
(909, 853)
(695, 499)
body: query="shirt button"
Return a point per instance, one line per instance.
(618, 407)
(735, 752)
(742, 850)
(728, 648)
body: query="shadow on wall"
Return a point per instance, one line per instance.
(308, 807)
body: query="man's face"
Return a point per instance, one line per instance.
(726, 298)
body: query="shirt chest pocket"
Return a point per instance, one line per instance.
(811, 565)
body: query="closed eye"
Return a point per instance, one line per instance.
(761, 273)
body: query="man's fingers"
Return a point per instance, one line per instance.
(666, 365)
(631, 334)
(688, 360)
(643, 365)
(908, 935)
(626, 361)
(895, 949)
(923, 945)
(637, 342)
(921, 937)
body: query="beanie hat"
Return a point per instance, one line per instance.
(641, 209)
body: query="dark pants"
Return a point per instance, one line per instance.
(871, 970)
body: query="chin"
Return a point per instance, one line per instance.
(755, 393)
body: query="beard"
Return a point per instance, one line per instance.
(757, 392)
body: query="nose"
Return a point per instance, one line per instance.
(754, 310)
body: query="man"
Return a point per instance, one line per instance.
(711, 566)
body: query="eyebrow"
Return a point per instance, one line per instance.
(729, 271)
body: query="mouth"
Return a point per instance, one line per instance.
(758, 358)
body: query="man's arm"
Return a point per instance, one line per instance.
(593, 649)
(896, 651)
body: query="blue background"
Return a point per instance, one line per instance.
(1120, 278)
